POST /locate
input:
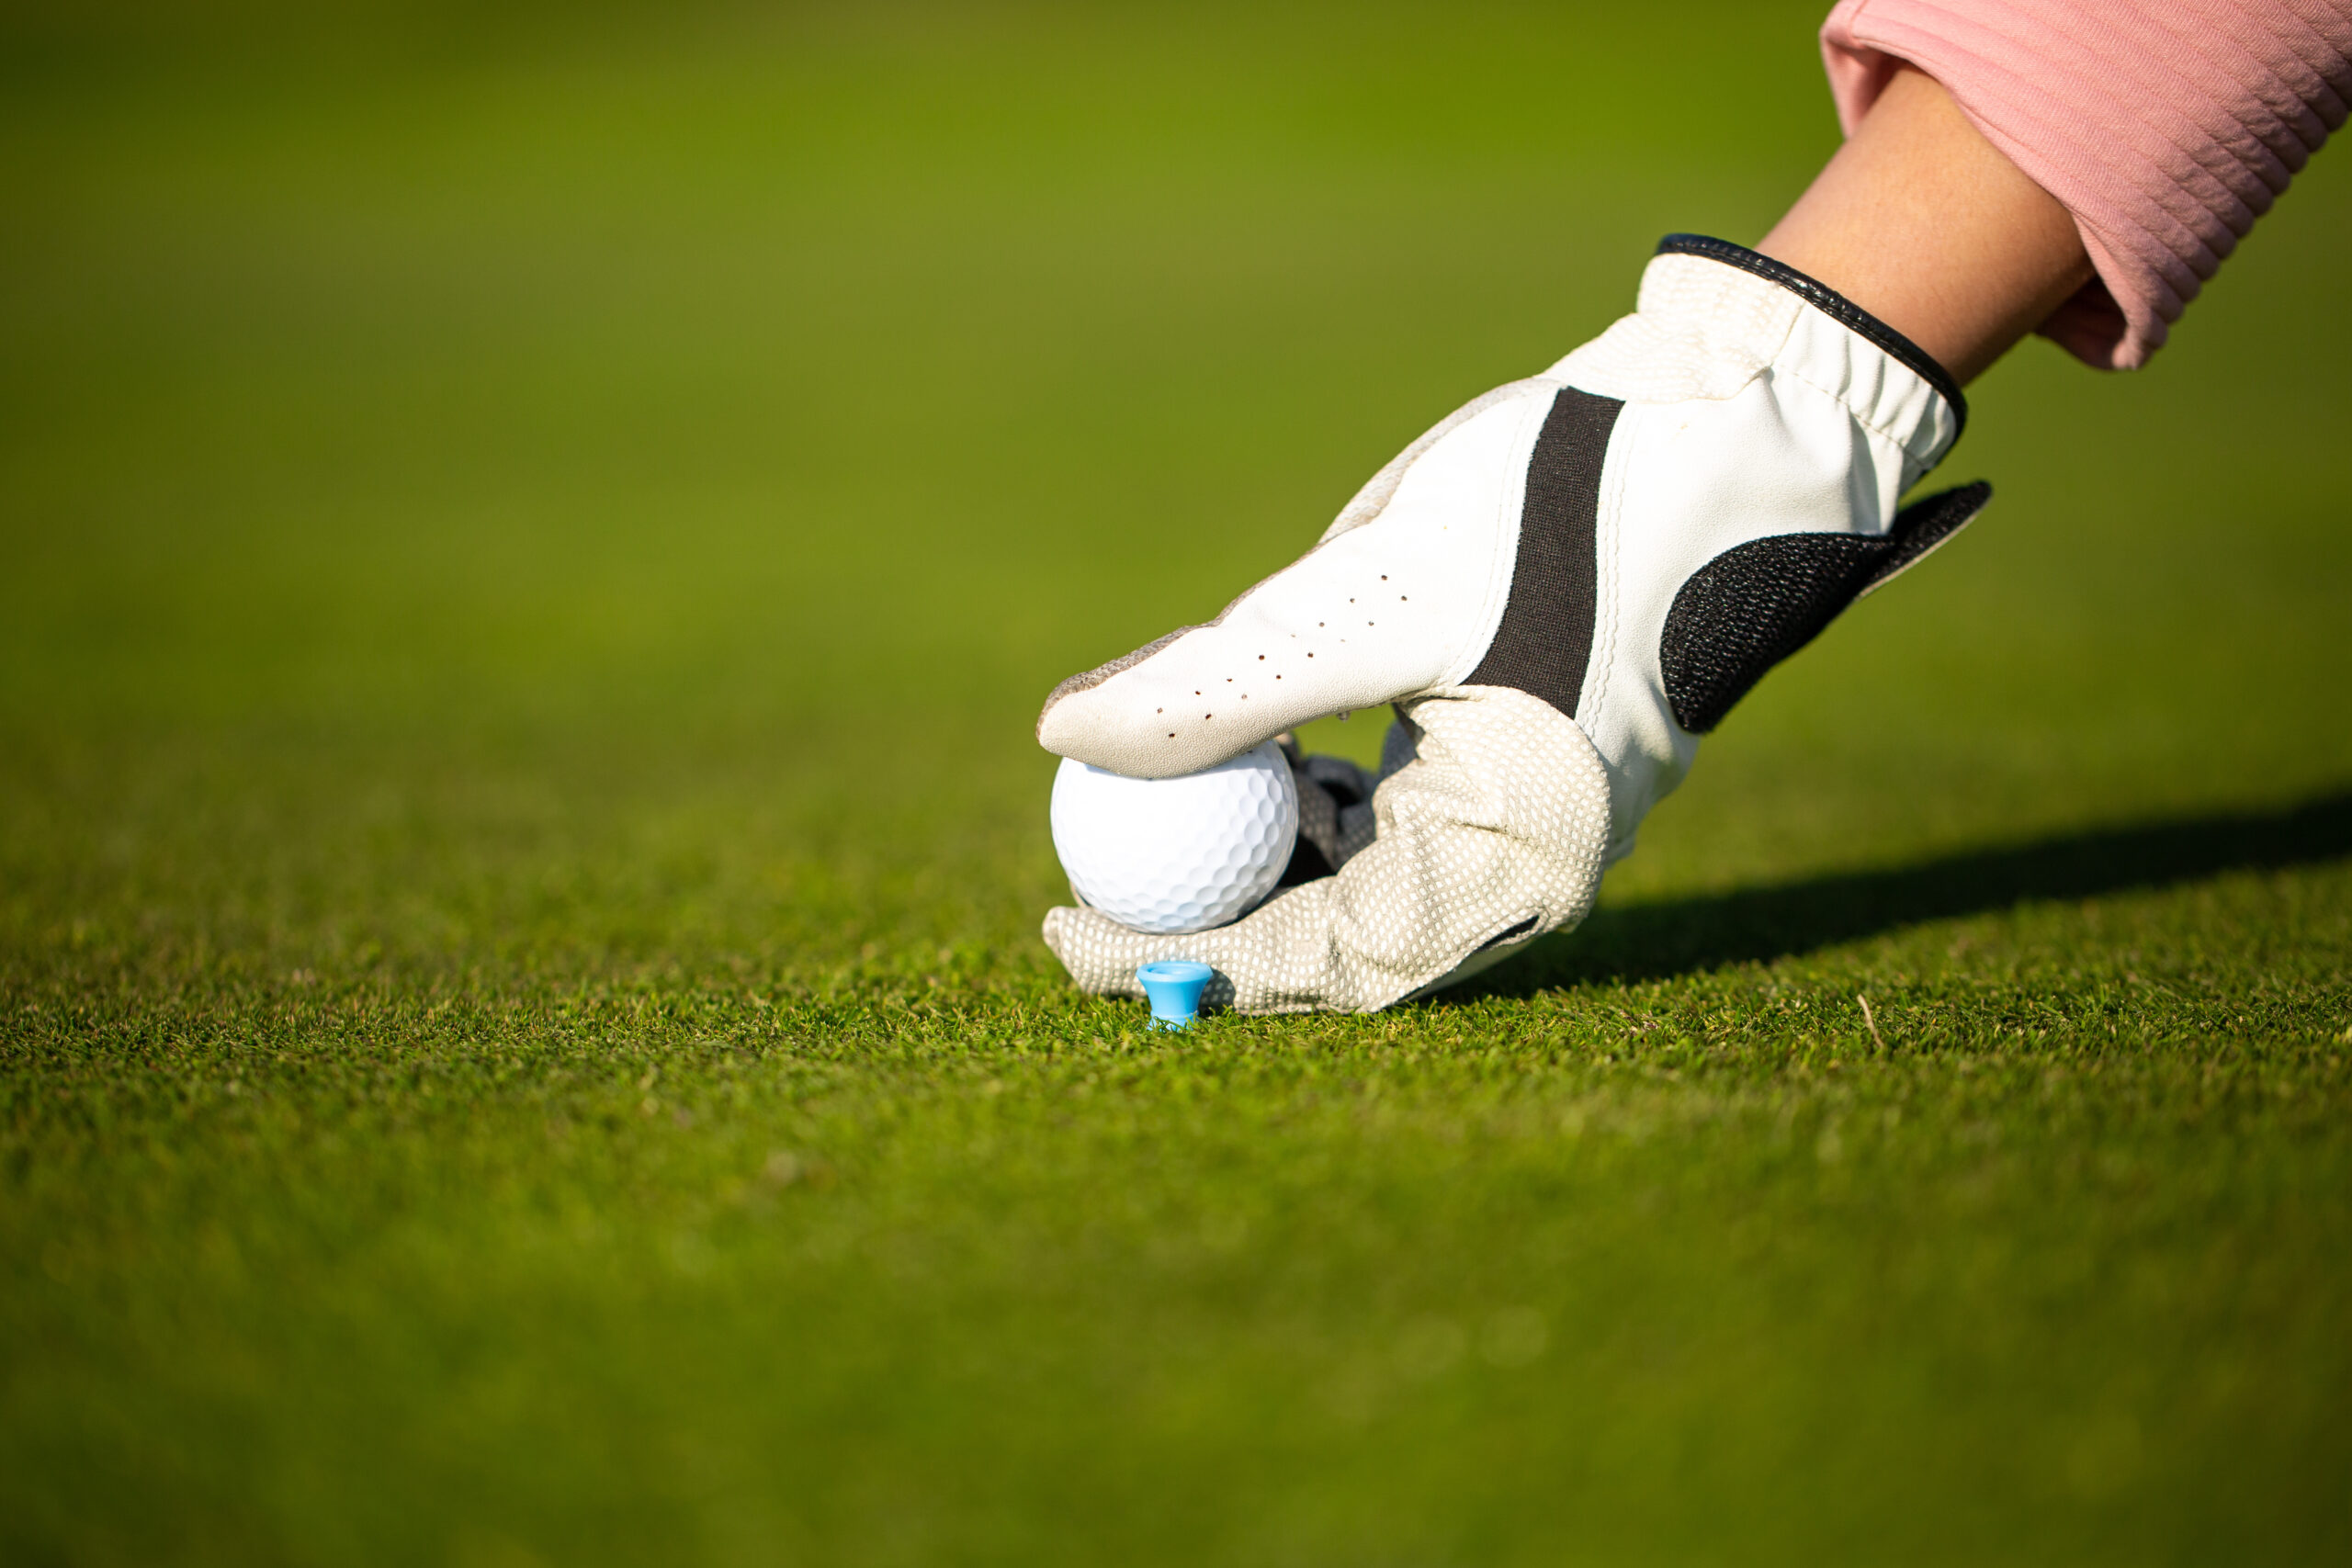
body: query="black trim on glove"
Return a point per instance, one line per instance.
(1831, 303)
(1545, 638)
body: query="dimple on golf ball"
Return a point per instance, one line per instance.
(1180, 854)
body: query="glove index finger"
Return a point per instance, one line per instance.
(1196, 699)
(1400, 602)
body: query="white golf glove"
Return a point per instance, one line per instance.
(1561, 587)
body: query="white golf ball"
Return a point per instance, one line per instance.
(1181, 855)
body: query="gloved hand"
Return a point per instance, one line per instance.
(1561, 587)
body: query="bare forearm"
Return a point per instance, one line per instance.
(1927, 225)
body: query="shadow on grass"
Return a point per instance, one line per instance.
(1679, 936)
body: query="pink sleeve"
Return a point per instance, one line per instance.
(2167, 129)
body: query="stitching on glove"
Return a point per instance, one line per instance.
(1509, 934)
(1939, 517)
(1609, 519)
(1915, 462)
(1834, 305)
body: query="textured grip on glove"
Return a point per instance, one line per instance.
(1492, 836)
(1752, 606)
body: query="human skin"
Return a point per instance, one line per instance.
(1928, 226)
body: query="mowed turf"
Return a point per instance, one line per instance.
(528, 555)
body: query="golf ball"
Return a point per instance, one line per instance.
(1180, 854)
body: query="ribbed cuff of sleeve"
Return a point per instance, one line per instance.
(2165, 129)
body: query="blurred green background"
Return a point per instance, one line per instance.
(531, 539)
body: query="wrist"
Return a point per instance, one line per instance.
(1925, 224)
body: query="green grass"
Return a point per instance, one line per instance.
(528, 554)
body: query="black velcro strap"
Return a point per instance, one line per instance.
(1755, 605)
